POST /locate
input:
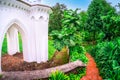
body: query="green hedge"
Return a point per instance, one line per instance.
(107, 57)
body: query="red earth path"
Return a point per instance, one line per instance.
(92, 72)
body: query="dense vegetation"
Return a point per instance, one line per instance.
(97, 25)
(106, 25)
(107, 55)
(56, 17)
(70, 35)
(96, 31)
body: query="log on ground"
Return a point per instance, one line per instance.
(38, 74)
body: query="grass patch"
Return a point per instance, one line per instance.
(20, 43)
(4, 44)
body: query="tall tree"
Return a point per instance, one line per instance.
(83, 18)
(96, 9)
(118, 6)
(111, 25)
(56, 17)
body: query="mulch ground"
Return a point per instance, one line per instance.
(92, 72)
(16, 63)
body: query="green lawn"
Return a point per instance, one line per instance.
(20, 43)
(51, 49)
(4, 45)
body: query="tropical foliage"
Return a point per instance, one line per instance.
(107, 55)
(95, 25)
(71, 34)
(58, 75)
(68, 35)
(56, 17)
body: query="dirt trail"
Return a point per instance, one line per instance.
(92, 72)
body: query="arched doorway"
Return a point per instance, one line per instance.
(12, 30)
(12, 40)
(17, 41)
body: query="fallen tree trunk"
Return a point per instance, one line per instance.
(37, 74)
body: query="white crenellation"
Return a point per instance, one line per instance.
(26, 9)
(9, 3)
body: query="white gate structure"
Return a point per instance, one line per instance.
(31, 21)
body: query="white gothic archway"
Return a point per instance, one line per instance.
(20, 27)
(31, 20)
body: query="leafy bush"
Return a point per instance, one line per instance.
(111, 23)
(58, 75)
(78, 52)
(81, 73)
(70, 34)
(51, 49)
(107, 55)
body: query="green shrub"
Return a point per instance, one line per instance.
(74, 77)
(81, 73)
(58, 75)
(71, 33)
(1, 76)
(51, 49)
(107, 57)
(78, 53)
(4, 46)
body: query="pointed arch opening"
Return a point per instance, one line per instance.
(12, 33)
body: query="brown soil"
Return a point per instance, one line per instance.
(92, 72)
(16, 63)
